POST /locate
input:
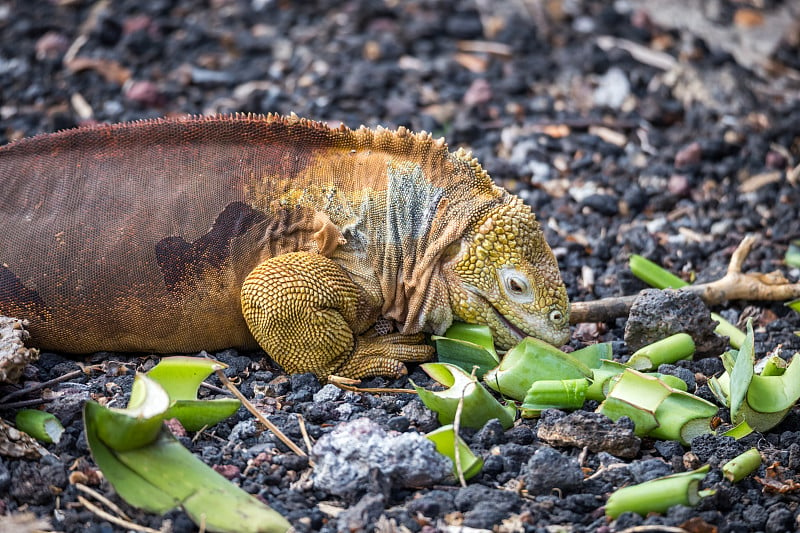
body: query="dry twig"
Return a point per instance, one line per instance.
(127, 524)
(734, 285)
(350, 385)
(261, 418)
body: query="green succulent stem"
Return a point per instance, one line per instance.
(665, 351)
(742, 465)
(658, 495)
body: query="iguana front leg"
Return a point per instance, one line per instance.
(303, 309)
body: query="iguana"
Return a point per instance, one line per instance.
(178, 235)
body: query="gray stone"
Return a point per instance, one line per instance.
(328, 393)
(657, 314)
(351, 455)
(550, 469)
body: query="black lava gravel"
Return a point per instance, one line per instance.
(624, 134)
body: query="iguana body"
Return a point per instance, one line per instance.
(208, 233)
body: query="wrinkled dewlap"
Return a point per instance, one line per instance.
(137, 237)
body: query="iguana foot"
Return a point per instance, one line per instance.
(301, 308)
(304, 310)
(385, 355)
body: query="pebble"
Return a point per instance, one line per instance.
(613, 89)
(688, 155)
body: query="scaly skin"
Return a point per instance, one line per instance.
(303, 309)
(503, 274)
(206, 233)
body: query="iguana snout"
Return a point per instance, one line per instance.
(503, 274)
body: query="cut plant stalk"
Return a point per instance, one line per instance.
(556, 394)
(666, 351)
(657, 409)
(742, 465)
(467, 346)
(479, 405)
(40, 425)
(653, 274)
(656, 276)
(658, 495)
(448, 444)
(760, 400)
(529, 361)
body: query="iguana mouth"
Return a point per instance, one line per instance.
(515, 331)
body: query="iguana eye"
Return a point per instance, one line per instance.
(516, 285)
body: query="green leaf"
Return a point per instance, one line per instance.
(742, 373)
(739, 431)
(140, 423)
(129, 485)
(206, 496)
(157, 473)
(761, 422)
(447, 442)
(792, 257)
(656, 409)
(529, 361)
(773, 366)
(479, 406)
(636, 396)
(194, 415)
(181, 377)
(467, 345)
(593, 354)
(682, 417)
(762, 401)
(602, 377)
(475, 333)
(40, 425)
(672, 381)
(770, 394)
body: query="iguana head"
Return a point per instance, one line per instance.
(502, 273)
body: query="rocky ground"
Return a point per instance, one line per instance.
(670, 131)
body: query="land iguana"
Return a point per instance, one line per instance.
(333, 249)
